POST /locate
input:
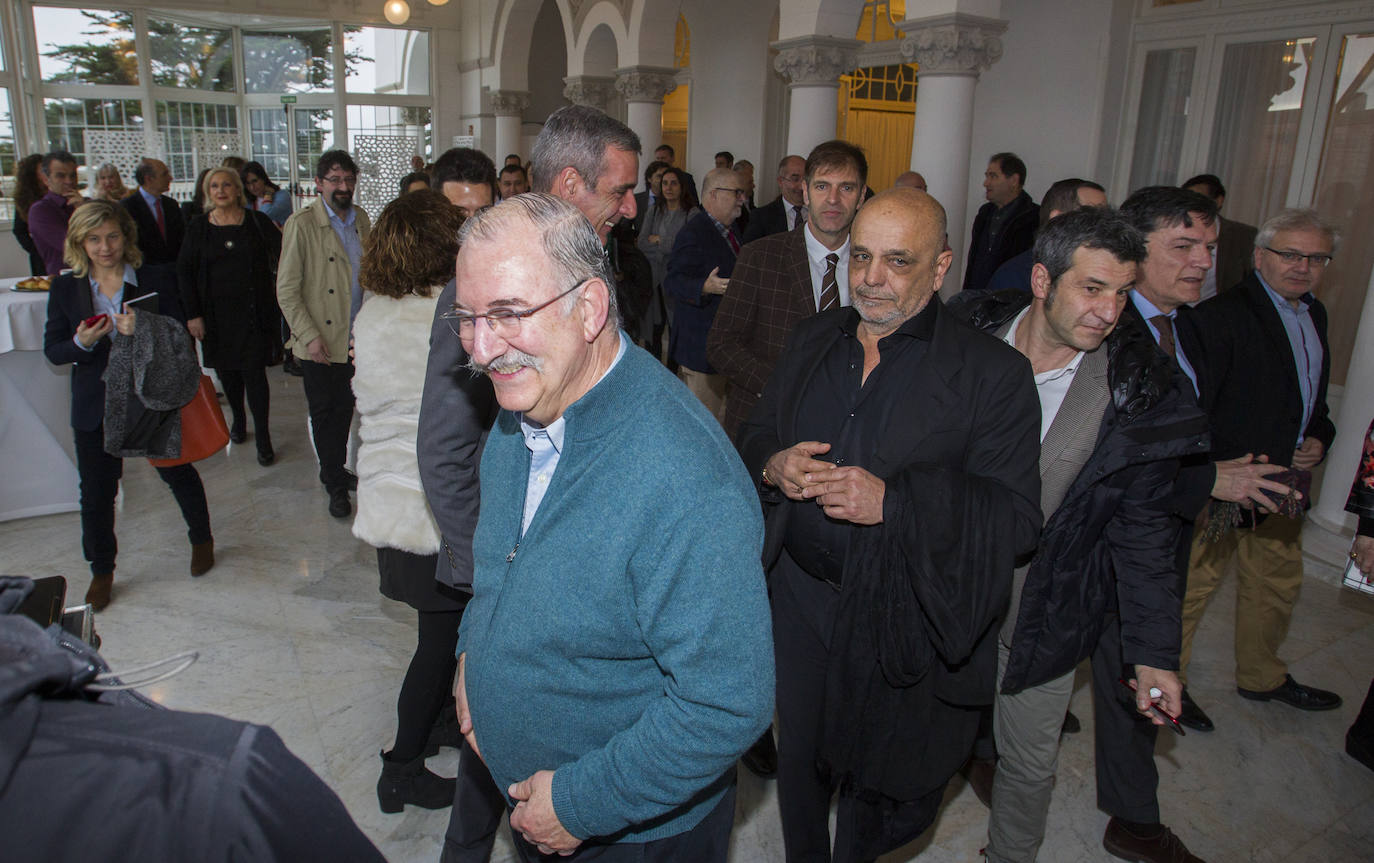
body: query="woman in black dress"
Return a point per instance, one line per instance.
(226, 271)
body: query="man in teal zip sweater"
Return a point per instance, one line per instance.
(616, 658)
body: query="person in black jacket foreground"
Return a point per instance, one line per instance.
(92, 775)
(1116, 417)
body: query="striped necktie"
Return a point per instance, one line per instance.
(830, 288)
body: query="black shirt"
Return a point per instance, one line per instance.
(851, 414)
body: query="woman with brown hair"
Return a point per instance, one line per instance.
(29, 186)
(407, 259)
(226, 271)
(87, 309)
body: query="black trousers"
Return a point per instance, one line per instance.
(478, 806)
(329, 394)
(1123, 739)
(253, 381)
(708, 842)
(100, 473)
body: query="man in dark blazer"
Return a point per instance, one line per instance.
(1117, 416)
(1180, 229)
(1005, 225)
(158, 215)
(699, 270)
(653, 188)
(788, 209)
(1264, 364)
(893, 415)
(785, 277)
(1235, 240)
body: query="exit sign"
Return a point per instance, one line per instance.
(288, 100)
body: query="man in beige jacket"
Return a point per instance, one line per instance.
(317, 288)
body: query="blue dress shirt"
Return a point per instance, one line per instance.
(1148, 310)
(1306, 345)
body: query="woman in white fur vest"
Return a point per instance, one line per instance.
(407, 259)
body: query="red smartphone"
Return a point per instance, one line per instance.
(93, 320)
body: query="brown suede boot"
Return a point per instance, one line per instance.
(202, 557)
(98, 594)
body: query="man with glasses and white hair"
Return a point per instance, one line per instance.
(317, 289)
(1263, 368)
(699, 269)
(612, 667)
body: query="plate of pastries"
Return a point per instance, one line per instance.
(33, 283)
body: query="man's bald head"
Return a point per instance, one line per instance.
(897, 259)
(910, 180)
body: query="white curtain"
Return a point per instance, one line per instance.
(1163, 114)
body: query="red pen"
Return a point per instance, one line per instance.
(1169, 721)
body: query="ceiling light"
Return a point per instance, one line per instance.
(396, 11)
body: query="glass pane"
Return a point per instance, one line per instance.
(1164, 95)
(81, 46)
(390, 120)
(386, 60)
(6, 157)
(267, 128)
(1260, 98)
(193, 58)
(1345, 194)
(314, 135)
(178, 121)
(67, 120)
(289, 60)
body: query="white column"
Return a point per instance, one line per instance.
(1352, 421)
(950, 52)
(509, 107)
(643, 89)
(812, 66)
(591, 90)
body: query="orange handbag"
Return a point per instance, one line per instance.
(203, 429)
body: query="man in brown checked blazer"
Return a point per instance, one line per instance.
(782, 278)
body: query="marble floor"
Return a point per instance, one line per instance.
(292, 633)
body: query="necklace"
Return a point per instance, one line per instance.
(218, 221)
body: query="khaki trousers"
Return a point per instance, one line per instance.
(710, 389)
(1268, 564)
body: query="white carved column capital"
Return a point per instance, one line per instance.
(956, 44)
(591, 90)
(645, 83)
(814, 61)
(509, 103)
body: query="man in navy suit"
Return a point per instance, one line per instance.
(158, 216)
(698, 275)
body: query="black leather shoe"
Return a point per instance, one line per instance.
(1071, 724)
(1161, 847)
(1294, 693)
(266, 458)
(1191, 716)
(238, 435)
(339, 507)
(762, 757)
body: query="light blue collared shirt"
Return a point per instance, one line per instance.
(546, 446)
(153, 202)
(1306, 345)
(1148, 310)
(347, 231)
(108, 305)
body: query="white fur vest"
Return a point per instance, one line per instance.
(391, 346)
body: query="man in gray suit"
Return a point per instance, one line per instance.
(1116, 417)
(592, 161)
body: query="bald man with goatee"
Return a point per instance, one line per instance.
(897, 454)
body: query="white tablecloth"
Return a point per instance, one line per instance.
(39, 463)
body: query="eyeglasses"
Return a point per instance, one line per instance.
(504, 322)
(738, 193)
(346, 180)
(1318, 260)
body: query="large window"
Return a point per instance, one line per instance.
(212, 83)
(1164, 99)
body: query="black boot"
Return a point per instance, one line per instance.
(410, 782)
(445, 731)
